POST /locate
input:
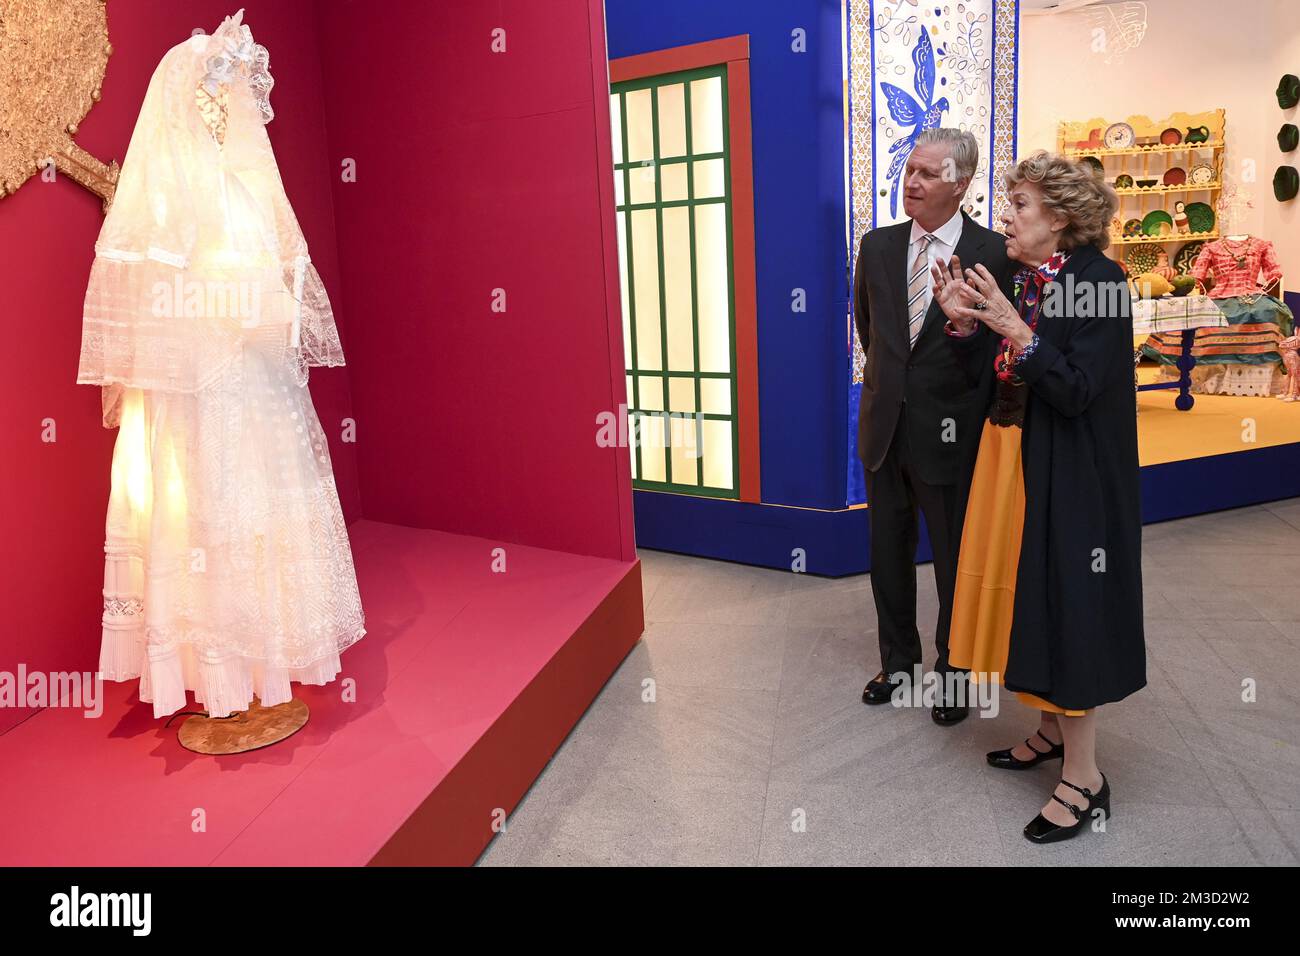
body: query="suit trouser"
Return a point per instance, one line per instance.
(894, 492)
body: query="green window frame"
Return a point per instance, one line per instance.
(649, 399)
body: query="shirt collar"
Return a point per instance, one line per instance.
(1054, 264)
(1044, 273)
(948, 233)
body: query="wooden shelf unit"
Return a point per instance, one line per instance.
(1150, 162)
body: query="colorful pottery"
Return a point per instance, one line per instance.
(1119, 136)
(1094, 141)
(1157, 223)
(1185, 258)
(1200, 217)
(1142, 258)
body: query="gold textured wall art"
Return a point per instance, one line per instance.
(53, 54)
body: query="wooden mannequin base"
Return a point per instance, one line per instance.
(239, 733)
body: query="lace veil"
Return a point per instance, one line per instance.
(201, 250)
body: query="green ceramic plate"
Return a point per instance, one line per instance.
(1200, 217)
(1152, 222)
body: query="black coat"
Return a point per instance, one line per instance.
(1076, 637)
(928, 377)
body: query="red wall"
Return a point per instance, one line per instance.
(479, 171)
(53, 496)
(476, 171)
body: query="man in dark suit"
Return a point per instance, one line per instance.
(920, 417)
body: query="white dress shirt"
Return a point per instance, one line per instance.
(943, 246)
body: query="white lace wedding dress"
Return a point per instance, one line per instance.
(228, 570)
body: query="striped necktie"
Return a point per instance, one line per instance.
(917, 283)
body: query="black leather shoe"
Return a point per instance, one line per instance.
(1042, 830)
(1006, 760)
(948, 712)
(879, 689)
(946, 715)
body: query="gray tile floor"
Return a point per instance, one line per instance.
(756, 748)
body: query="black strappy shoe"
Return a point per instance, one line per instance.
(1006, 760)
(1042, 830)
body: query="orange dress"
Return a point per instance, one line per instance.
(985, 593)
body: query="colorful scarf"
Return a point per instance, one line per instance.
(1029, 284)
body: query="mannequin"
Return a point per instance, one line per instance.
(228, 572)
(1237, 269)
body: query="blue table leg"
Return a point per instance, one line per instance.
(1186, 362)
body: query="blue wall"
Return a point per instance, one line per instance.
(797, 112)
(799, 207)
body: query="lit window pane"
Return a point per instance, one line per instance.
(715, 396)
(706, 115)
(642, 183)
(618, 187)
(652, 393)
(640, 132)
(711, 278)
(653, 456)
(710, 181)
(645, 277)
(672, 182)
(672, 120)
(717, 454)
(677, 289)
(622, 291)
(681, 394)
(616, 125)
(684, 451)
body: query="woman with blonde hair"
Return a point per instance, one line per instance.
(1048, 597)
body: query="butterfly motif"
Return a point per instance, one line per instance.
(920, 113)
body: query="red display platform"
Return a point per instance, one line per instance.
(466, 682)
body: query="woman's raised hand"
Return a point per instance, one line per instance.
(955, 297)
(997, 313)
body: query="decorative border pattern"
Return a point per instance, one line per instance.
(1006, 60)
